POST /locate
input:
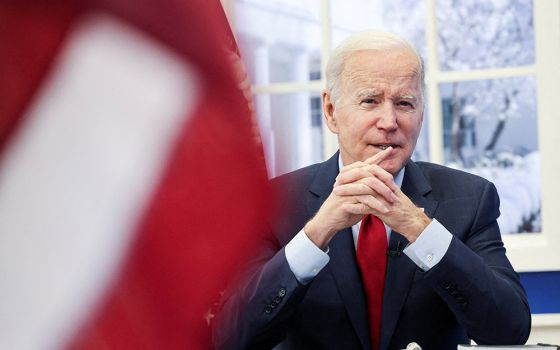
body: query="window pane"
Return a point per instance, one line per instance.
(478, 34)
(406, 18)
(490, 129)
(291, 129)
(280, 40)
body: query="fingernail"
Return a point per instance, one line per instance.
(384, 210)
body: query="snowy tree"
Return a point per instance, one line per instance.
(477, 35)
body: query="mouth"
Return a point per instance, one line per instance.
(384, 146)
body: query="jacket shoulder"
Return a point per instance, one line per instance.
(295, 179)
(436, 172)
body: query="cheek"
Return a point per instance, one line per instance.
(353, 131)
(361, 126)
(411, 129)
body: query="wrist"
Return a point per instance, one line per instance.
(419, 226)
(318, 235)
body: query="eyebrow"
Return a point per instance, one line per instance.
(368, 93)
(409, 97)
(374, 93)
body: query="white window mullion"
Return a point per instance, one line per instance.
(530, 252)
(325, 35)
(330, 143)
(484, 74)
(433, 99)
(287, 88)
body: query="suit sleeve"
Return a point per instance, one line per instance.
(477, 281)
(254, 312)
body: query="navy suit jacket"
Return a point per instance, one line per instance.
(473, 292)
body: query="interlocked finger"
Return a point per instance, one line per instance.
(354, 174)
(353, 166)
(380, 156)
(377, 205)
(356, 208)
(383, 175)
(366, 186)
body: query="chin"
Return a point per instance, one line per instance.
(392, 166)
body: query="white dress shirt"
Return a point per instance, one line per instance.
(306, 260)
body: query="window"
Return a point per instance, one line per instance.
(491, 72)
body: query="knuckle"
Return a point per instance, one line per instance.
(373, 182)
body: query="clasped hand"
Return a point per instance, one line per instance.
(363, 188)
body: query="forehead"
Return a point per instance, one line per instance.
(395, 68)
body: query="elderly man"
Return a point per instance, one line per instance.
(371, 250)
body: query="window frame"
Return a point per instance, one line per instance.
(527, 252)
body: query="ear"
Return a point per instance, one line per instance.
(329, 111)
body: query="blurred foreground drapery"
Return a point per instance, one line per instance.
(131, 172)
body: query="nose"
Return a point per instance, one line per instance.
(387, 117)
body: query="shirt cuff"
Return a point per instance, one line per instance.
(305, 259)
(430, 247)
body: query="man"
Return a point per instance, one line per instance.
(322, 282)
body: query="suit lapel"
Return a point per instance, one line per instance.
(400, 269)
(342, 254)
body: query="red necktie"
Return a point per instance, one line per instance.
(372, 261)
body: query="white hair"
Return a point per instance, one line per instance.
(366, 40)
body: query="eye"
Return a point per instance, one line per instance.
(368, 100)
(406, 104)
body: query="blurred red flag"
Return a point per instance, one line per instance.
(132, 175)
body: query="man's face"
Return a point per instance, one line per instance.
(380, 105)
